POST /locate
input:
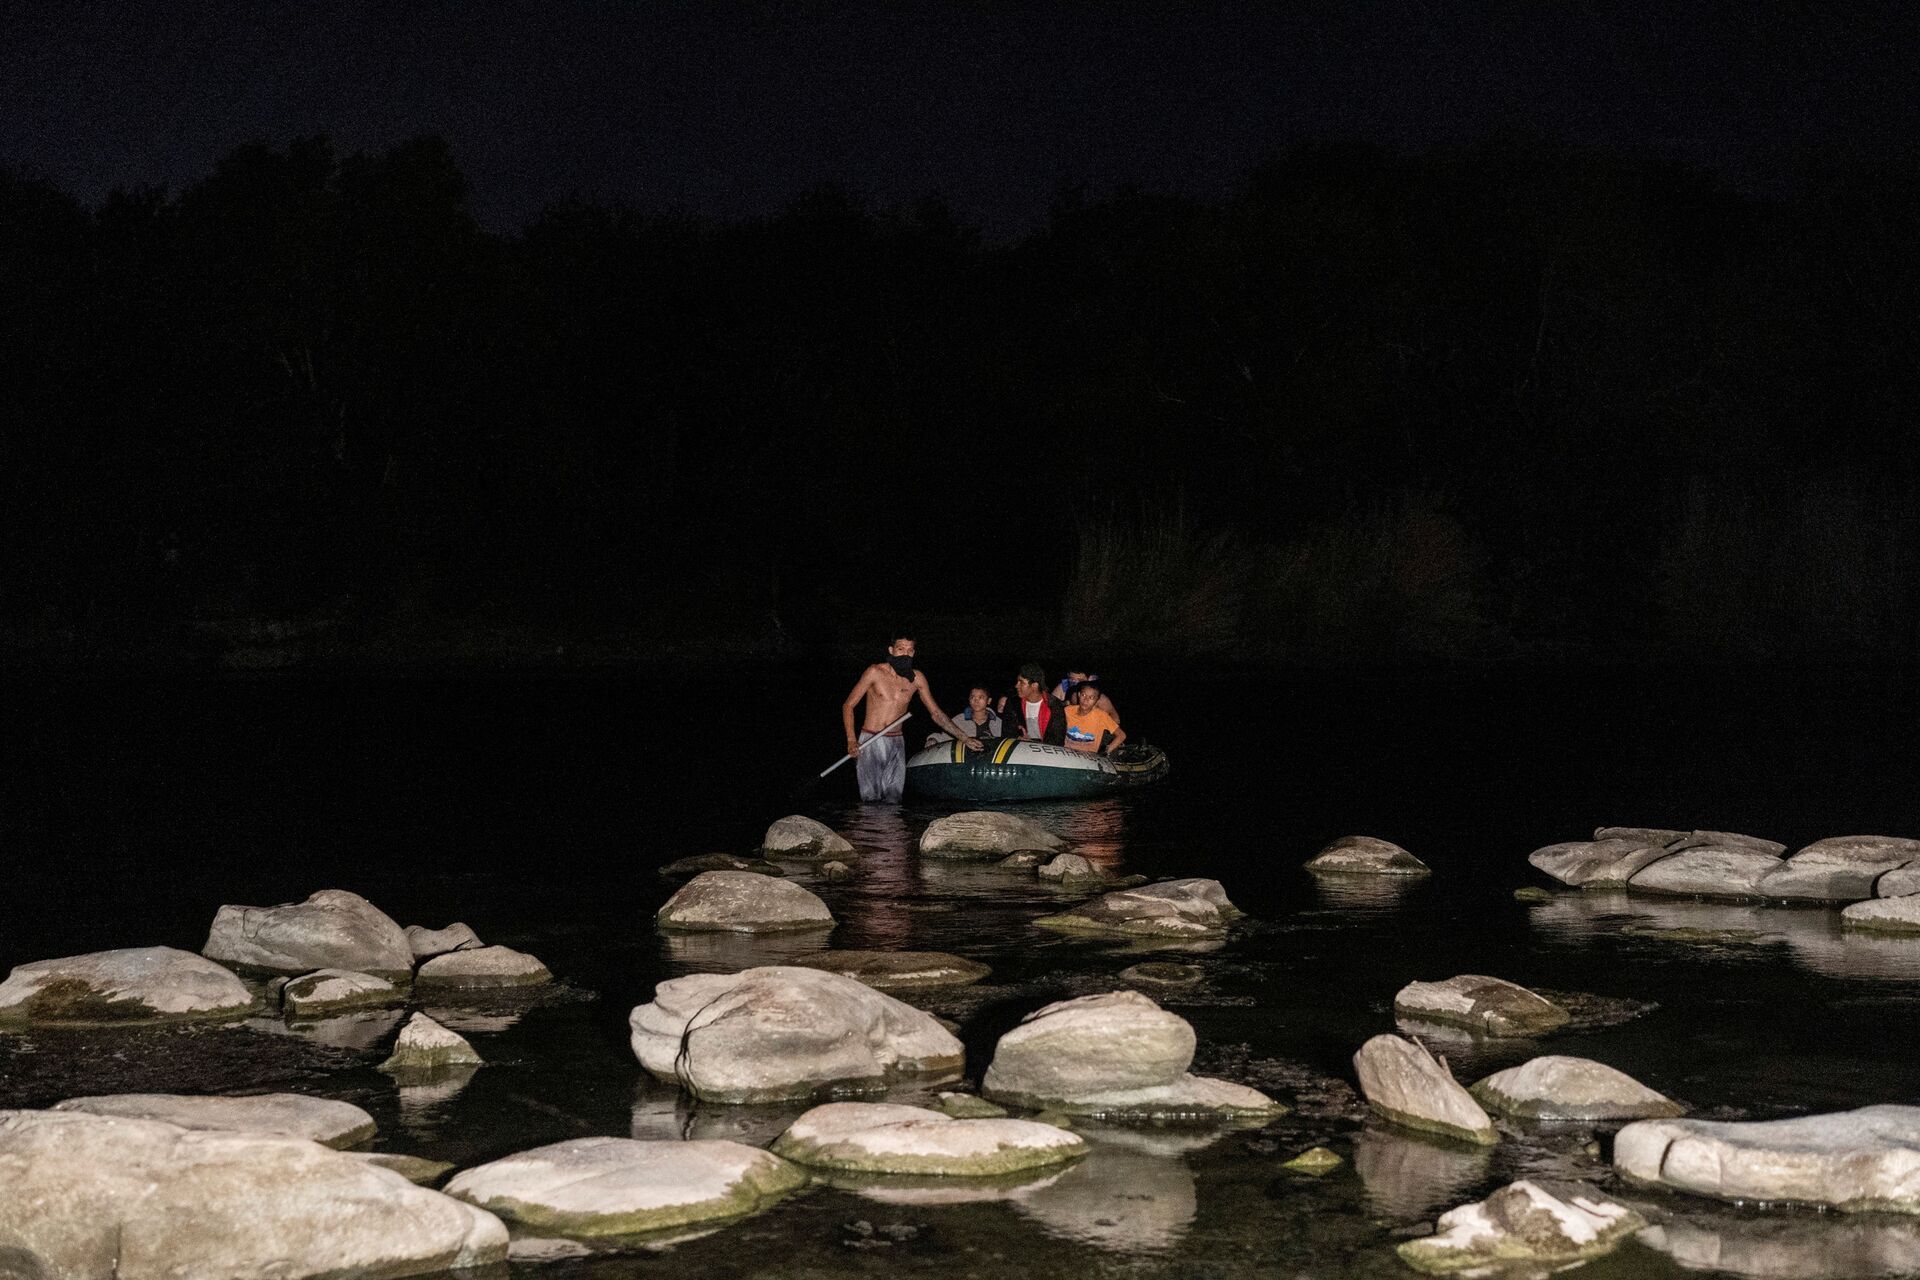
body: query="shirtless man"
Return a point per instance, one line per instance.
(889, 687)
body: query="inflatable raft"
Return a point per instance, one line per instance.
(1013, 769)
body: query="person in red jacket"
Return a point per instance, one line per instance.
(1035, 714)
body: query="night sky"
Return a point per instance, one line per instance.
(733, 110)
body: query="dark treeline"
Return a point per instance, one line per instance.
(1520, 399)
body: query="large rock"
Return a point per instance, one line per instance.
(595, 1188)
(137, 984)
(984, 834)
(87, 1197)
(898, 970)
(1169, 909)
(1118, 1055)
(329, 991)
(1729, 840)
(1707, 872)
(1855, 1161)
(480, 969)
(874, 1137)
(287, 1115)
(427, 943)
(1899, 883)
(1838, 869)
(1366, 855)
(1596, 864)
(1410, 1087)
(780, 1032)
(1560, 1088)
(799, 837)
(1550, 1224)
(1488, 1006)
(424, 1046)
(742, 902)
(1884, 915)
(333, 929)
(1663, 836)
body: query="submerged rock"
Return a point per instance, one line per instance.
(1366, 855)
(981, 833)
(1546, 1223)
(967, 1106)
(482, 968)
(780, 1032)
(876, 1137)
(1409, 1086)
(1707, 872)
(1160, 973)
(687, 868)
(135, 984)
(1169, 909)
(333, 929)
(1025, 860)
(1884, 915)
(835, 871)
(287, 1115)
(1120, 1056)
(796, 836)
(595, 1188)
(89, 1197)
(1854, 1161)
(426, 1046)
(427, 943)
(418, 1170)
(1489, 1006)
(1314, 1162)
(330, 991)
(741, 902)
(898, 970)
(1560, 1088)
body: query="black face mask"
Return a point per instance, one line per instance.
(902, 667)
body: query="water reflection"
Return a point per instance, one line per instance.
(665, 1114)
(1812, 935)
(897, 1190)
(731, 952)
(1363, 893)
(1121, 1198)
(361, 1031)
(1469, 1055)
(424, 1100)
(1792, 1247)
(467, 1021)
(1409, 1177)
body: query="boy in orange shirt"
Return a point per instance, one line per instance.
(1087, 724)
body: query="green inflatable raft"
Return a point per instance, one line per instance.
(1014, 769)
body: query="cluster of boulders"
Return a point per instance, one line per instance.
(1878, 875)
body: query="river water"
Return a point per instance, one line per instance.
(536, 810)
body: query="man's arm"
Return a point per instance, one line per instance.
(939, 716)
(1119, 736)
(860, 688)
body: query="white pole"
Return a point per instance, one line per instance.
(889, 729)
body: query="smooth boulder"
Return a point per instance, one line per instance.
(329, 991)
(1553, 1087)
(1487, 1006)
(781, 1032)
(1662, 836)
(89, 1197)
(134, 984)
(287, 1115)
(1412, 1088)
(1547, 1224)
(898, 970)
(1708, 872)
(427, 943)
(1366, 855)
(982, 833)
(1883, 915)
(596, 1188)
(1170, 909)
(1855, 1161)
(332, 929)
(1838, 869)
(1596, 864)
(481, 969)
(1118, 1055)
(876, 1137)
(424, 1046)
(801, 837)
(742, 902)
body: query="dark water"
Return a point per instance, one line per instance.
(537, 809)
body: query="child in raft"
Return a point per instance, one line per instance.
(1089, 727)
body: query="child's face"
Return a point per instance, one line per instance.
(1087, 696)
(977, 702)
